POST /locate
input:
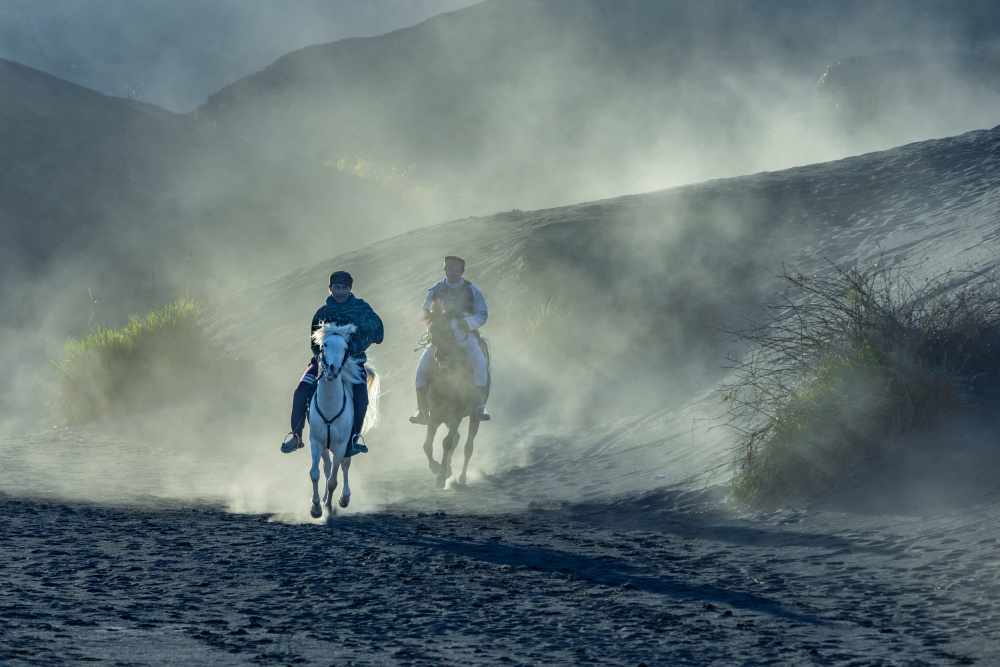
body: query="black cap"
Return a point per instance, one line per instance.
(341, 278)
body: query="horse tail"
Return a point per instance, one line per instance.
(374, 381)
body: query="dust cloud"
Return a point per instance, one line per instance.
(605, 317)
(538, 104)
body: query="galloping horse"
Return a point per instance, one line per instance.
(331, 412)
(451, 394)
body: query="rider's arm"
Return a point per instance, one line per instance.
(376, 330)
(479, 311)
(425, 314)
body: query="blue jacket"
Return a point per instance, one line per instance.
(353, 311)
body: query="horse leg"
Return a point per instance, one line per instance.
(316, 511)
(345, 497)
(469, 440)
(448, 446)
(429, 447)
(330, 472)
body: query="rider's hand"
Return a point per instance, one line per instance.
(463, 325)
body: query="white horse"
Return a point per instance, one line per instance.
(331, 412)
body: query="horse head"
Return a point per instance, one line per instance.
(333, 343)
(442, 335)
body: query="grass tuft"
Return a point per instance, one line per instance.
(846, 364)
(120, 368)
(546, 318)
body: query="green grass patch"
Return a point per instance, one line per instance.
(845, 365)
(395, 180)
(150, 359)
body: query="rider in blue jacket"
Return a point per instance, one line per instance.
(341, 308)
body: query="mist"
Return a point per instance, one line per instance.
(223, 184)
(536, 104)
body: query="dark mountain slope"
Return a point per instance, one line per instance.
(527, 103)
(93, 187)
(892, 97)
(174, 54)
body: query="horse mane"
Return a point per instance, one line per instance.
(345, 331)
(354, 371)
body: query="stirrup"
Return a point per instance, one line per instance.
(482, 413)
(419, 417)
(357, 446)
(289, 446)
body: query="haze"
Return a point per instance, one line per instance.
(503, 110)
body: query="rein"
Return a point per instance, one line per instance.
(424, 342)
(343, 405)
(329, 422)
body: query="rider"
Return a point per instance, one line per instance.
(341, 308)
(459, 295)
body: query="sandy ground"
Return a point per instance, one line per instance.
(668, 578)
(898, 568)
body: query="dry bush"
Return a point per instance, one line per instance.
(846, 363)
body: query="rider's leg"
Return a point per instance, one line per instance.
(360, 406)
(421, 415)
(360, 393)
(480, 375)
(300, 405)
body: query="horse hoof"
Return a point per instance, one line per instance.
(316, 511)
(441, 481)
(345, 500)
(435, 467)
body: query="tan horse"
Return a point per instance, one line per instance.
(451, 395)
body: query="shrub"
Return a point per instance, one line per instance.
(546, 318)
(120, 368)
(847, 363)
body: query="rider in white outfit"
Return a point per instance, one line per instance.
(461, 296)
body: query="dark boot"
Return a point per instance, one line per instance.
(300, 413)
(422, 414)
(357, 443)
(292, 442)
(356, 446)
(482, 412)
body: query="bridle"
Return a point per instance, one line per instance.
(447, 347)
(323, 366)
(343, 404)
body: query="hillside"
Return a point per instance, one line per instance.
(176, 54)
(892, 97)
(115, 195)
(649, 280)
(526, 104)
